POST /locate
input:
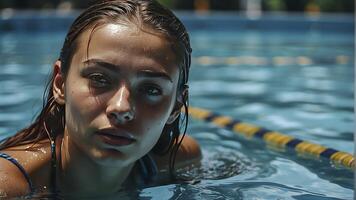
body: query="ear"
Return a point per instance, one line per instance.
(177, 108)
(58, 83)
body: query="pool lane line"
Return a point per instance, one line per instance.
(273, 137)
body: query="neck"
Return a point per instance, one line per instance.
(81, 176)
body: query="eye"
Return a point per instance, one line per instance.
(151, 90)
(98, 80)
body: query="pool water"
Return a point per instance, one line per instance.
(296, 82)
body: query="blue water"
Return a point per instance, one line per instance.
(296, 82)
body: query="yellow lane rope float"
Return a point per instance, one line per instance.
(273, 138)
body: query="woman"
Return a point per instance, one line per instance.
(112, 108)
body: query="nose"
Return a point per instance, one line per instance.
(120, 109)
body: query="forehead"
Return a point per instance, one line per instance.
(118, 41)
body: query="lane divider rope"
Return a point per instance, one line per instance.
(273, 138)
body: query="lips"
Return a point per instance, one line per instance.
(115, 137)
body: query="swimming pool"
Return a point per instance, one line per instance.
(293, 75)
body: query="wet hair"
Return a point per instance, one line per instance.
(147, 15)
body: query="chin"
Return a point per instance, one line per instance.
(110, 157)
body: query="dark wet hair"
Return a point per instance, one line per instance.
(148, 15)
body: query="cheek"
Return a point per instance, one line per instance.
(81, 107)
(154, 117)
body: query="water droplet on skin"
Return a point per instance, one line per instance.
(3, 194)
(3, 180)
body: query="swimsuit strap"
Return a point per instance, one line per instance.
(19, 166)
(148, 168)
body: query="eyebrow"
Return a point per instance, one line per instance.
(152, 74)
(143, 73)
(101, 63)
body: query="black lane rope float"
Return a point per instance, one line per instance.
(273, 138)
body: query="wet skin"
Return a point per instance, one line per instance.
(118, 96)
(124, 85)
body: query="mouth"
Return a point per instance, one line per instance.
(115, 137)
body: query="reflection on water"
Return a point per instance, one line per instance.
(216, 164)
(296, 83)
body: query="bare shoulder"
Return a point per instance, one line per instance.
(31, 157)
(12, 181)
(188, 153)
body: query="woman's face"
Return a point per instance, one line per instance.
(120, 91)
